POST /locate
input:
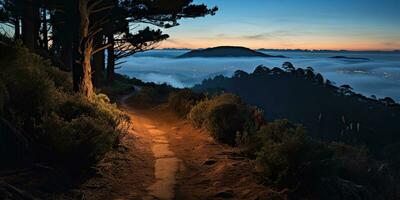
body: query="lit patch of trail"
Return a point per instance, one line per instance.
(166, 166)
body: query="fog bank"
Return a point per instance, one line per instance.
(380, 76)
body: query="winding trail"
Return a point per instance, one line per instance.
(164, 158)
(166, 165)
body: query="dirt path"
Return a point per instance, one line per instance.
(164, 157)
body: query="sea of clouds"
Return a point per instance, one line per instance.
(379, 76)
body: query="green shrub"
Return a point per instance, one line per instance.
(82, 131)
(32, 93)
(225, 121)
(224, 116)
(182, 101)
(55, 125)
(289, 159)
(198, 114)
(150, 96)
(79, 143)
(61, 79)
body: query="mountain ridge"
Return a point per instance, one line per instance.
(226, 51)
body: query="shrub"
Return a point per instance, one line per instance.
(182, 101)
(79, 143)
(39, 114)
(82, 131)
(62, 80)
(32, 93)
(151, 95)
(224, 116)
(289, 159)
(100, 107)
(225, 121)
(198, 114)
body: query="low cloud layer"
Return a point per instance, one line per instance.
(380, 76)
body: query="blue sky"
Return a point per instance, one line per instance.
(290, 24)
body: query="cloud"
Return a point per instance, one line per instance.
(380, 76)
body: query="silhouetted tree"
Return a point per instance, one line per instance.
(288, 66)
(310, 73)
(159, 13)
(346, 89)
(240, 74)
(388, 101)
(260, 69)
(319, 79)
(300, 72)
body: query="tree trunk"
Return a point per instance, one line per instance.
(98, 63)
(86, 49)
(45, 32)
(67, 51)
(17, 29)
(36, 24)
(76, 66)
(28, 25)
(110, 60)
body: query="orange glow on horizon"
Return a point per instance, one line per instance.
(304, 44)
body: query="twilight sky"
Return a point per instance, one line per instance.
(292, 24)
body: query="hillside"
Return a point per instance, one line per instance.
(328, 112)
(227, 51)
(350, 58)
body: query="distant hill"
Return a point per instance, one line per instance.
(349, 58)
(328, 51)
(226, 51)
(327, 111)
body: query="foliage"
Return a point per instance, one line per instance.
(182, 101)
(151, 95)
(121, 85)
(78, 143)
(197, 114)
(330, 113)
(42, 113)
(224, 116)
(288, 158)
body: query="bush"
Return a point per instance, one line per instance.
(198, 114)
(288, 159)
(32, 93)
(40, 114)
(225, 121)
(78, 143)
(80, 131)
(182, 101)
(151, 95)
(224, 116)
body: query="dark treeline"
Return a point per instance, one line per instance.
(78, 34)
(328, 112)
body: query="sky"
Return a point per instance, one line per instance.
(293, 24)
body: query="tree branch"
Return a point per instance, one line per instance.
(101, 48)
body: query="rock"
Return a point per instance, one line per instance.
(225, 194)
(210, 162)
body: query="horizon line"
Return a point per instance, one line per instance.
(278, 49)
